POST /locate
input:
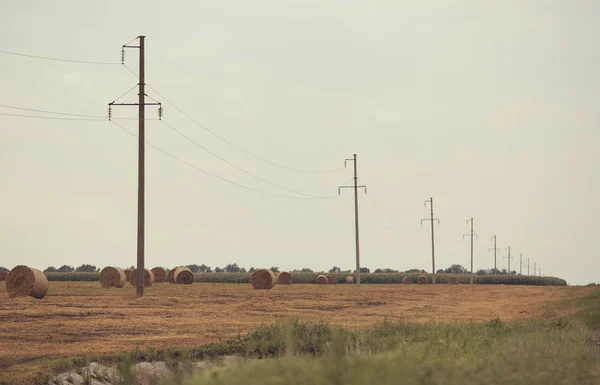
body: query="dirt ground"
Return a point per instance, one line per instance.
(78, 318)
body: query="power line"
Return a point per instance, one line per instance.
(57, 59)
(206, 172)
(50, 117)
(90, 117)
(237, 147)
(51, 112)
(241, 169)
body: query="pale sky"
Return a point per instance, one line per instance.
(491, 108)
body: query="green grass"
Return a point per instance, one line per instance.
(557, 352)
(589, 313)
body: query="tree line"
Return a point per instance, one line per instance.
(235, 268)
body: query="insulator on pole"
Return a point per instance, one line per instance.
(160, 112)
(123, 55)
(109, 112)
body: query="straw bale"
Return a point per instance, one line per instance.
(263, 279)
(25, 281)
(112, 277)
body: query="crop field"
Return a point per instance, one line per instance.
(79, 318)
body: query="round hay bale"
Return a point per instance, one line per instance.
(407, 280)
(160, 275)
(3, 275)
(112, 277)
(183, 276)
(453, 281)
(25, 281)
(350, 279)
(148, 278)
(284, 278)
(171, 275)
(322, 280)
(127, 274)
(263, 279)
(422, 280)
(331, 279)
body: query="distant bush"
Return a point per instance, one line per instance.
(393, 278)
(73, 276)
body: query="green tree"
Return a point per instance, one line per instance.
(86, 269)
(202, 268)
(365, 270)
(306, 270)
(275, 269)
(3, 268)
(456, 269)
(232, 268)
(335, 269)
(251, 270)
(194, 268)
(218, 270)
(66, 269)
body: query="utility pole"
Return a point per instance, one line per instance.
(355, 187)
(534, 269)
(471, 235)
(495, 250)
(509, 258)
(527, 266)
(520, 263)
(141, 159)
(431, 219)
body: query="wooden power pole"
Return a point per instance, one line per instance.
(356, 236)
(141, 161)
(431, 219)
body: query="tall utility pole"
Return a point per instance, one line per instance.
(509, 258)
(431, 219)
(520, 263)
(534, 269)
(141, 161)
(527, 266)
(495, 250)
(471, 235)
(355, 187)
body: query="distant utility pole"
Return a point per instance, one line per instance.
(495, 250)
(141, 160)
(534, 269)
(527, 266)
(355, 187)
(509, 258)
(471, 235)
(431, 219)
(520, 263)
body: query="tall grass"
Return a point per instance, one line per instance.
(557, 352)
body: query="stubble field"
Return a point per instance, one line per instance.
(79, 318)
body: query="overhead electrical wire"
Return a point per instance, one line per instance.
(51, 112)
(241, 169)
(60, 113)
(234, 145)
(392, 228)
(52, 117)
(57, 59)
(209, 173)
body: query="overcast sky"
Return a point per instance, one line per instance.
(491, 108)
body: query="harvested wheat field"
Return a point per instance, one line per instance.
(78, 318)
